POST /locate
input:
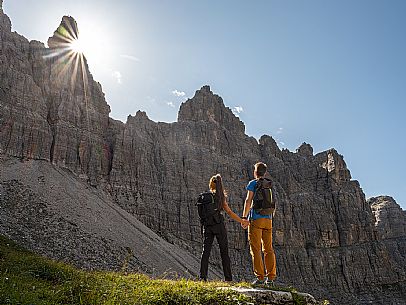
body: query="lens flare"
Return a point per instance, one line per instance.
(77, 46)
(66, 54)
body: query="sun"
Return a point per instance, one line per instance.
(78, 46)
(76, 49)
(87, 39)
(93, 43)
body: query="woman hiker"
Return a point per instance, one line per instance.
(213, 225)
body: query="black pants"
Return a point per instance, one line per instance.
(209, 232)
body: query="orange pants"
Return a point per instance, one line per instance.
(260, 232)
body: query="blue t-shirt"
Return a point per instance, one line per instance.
(252, 214)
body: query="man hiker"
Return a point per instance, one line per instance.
(260, 229)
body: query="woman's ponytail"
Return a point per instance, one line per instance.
(220, 191)
(216, 186)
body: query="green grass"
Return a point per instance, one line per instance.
(26, 278)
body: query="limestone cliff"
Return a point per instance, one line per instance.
(324, 230)
(390, 219)
(51, 108)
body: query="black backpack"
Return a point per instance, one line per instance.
(208, 210)
(264, 201)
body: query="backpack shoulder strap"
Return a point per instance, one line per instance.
(259, 184)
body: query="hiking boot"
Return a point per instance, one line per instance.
(258, 282)
(269, 283)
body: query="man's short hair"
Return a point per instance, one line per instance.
(260, 168)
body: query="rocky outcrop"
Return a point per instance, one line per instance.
(5, 22)
(51, 108)
(209, 107)
(305, 150)
(390, 219)
(275, 297)
(325, 236)
(65, 34)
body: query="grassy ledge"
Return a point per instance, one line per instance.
(26, 278)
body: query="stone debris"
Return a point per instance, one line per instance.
(275, 297)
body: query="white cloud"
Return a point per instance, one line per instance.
(237, 110)
(117, 75)
(170, 104)
(280, 130)
(178, 93)
(130, 57)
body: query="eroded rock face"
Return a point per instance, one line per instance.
(209, 107)
(390, 219)
(324, 230)
(64, 35)
(51, 108)
(5, 22)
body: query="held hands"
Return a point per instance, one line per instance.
(245, 223)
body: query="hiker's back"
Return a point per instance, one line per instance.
(264, 202)
(208, 209)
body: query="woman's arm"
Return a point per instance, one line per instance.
(231, 213)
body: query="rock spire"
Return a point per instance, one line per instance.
(208, 107)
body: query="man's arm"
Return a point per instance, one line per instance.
(247, 203)
(247, 207)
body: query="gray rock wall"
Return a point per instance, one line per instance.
(51, 108)
(390, 219)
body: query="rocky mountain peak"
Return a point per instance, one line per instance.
(390, 219)
(142, 115)
(66, 32)
(305, 150)
(269, 147)
(209, 107)
(70, 69)
(140, 118)
(334, 163)
(5, 23)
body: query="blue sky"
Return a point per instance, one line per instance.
(329, 73)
